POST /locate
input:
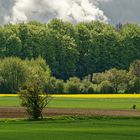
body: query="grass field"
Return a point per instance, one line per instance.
(72, 129)
(95, 103)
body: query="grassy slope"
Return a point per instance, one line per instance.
(79, 103)
(89, 129)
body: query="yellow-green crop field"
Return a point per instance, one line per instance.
(85, 95)
(100, 96)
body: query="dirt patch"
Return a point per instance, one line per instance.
(18, 112)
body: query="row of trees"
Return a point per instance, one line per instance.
(111, 81)
(73, 49)
(16, 73)
(120, 81)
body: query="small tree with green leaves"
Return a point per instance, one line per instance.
(34, 100)
(117, 78)
(33, 97)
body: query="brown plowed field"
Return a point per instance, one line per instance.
(18, 112)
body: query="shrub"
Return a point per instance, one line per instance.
(135, 69)
(87, 87)
(90, 89)
(59, 87)
(54, 86)
(134, 78)
(73, 86)
(133, 86)
(106, 87)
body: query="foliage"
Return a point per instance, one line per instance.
(54, 86)
(134, 85)
(72, 49)
(87, 87)
(34, 100)
(134, 76)
(73, 86)
(106, 87)
(117, 78)
(112, 78)
(13, 74)
(135, 68)
(93, 49)
(38, 70)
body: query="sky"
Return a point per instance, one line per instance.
(109, 11)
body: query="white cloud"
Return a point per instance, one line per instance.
(74, 10)
(113, 11)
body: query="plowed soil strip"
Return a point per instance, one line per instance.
(18, 112)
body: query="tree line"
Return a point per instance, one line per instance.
(72, 50)
(17, 75)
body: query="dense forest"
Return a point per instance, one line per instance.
(85, 50)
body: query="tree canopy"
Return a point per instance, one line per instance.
(72, 49)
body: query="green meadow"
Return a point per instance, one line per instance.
(58, 102)
(72, 129)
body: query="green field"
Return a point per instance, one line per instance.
(79, 103)
(72, 129)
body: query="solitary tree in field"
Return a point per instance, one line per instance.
(32, 94)
(34, 100)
